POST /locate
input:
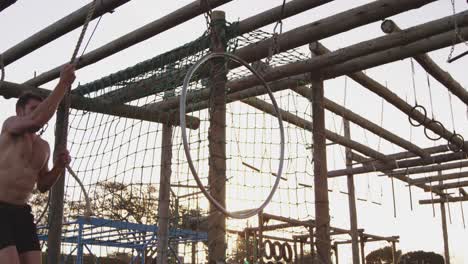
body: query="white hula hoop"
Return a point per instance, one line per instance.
(182, 111)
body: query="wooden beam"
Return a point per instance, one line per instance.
(402, 155)
(270, 16)
(445, 200)
(389, 239)
(158, 26)
(431, 67)
(308, 125)
(328, 27)
(364, 123)
(295, 222)
(330, 58)
(288, 117)
(442, 177)
(350, 67)
(58, 29)
(431, 168)
(451, 185)
(10, 90)
(402, 177)
(351, 197)
(257, 21)
(350, 54)
(400, 164)
(6, 3)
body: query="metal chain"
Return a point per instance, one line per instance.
(457, 34)
(277, 30)
(207, 14)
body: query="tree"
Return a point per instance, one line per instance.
(240, 252)
(421, 257)
(382, 256)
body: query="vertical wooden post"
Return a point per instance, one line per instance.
(217, 143)
(363, 251)
(301, 248)
(248, 252)
(255, 247)
(312, 243)
(296, 254)
(335, 248)
(57, 192)
(194, 252)
(394, 257)
(176, 216)
(444, 228)
(260, 237)
(322, 213)
(351, 197)
(164, 193)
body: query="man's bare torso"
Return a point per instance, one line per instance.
(21, 159)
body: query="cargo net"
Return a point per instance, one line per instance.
(119, 159)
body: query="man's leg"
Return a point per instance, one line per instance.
(9, 255)
(30, 257)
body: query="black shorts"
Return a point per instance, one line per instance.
(17, 228)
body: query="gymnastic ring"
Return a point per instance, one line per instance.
(183, 126)
(437, 123)
(414, 123)
(288, 248)
(454, 147)
(280, 253)
(270, 247)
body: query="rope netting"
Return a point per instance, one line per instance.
(119, 159)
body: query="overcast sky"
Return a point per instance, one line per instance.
(418, 229)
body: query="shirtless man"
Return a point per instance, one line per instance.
(23, 164)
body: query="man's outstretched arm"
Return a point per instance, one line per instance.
(45, 110)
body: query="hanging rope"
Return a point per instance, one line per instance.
(2, 69)
(433, 120)
(88, 211)
(416, 105)
(451, 142)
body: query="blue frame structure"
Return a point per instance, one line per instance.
(112, 233)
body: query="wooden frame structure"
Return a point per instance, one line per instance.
(325, 64)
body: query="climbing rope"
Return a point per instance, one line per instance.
(88, 211)
(73, 60)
